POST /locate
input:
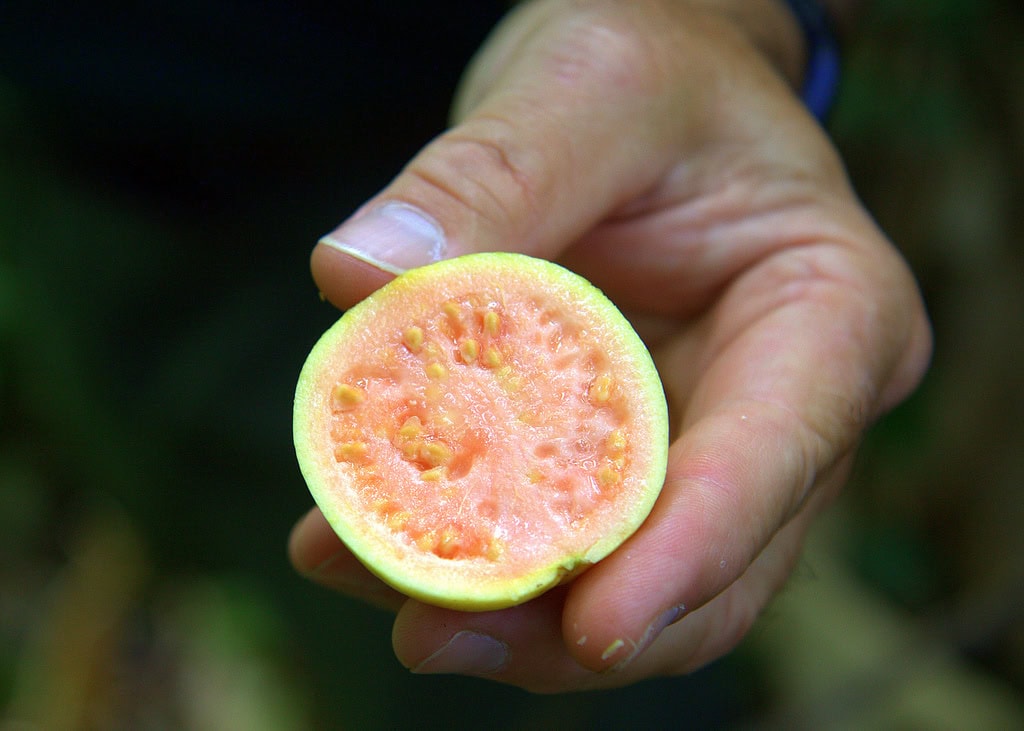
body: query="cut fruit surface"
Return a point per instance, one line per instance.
(480, 428)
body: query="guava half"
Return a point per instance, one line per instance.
(479, 429)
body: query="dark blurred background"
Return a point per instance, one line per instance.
(163, 176)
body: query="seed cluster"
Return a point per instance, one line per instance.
(465, 342)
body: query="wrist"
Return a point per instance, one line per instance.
(769, 26)
(797, 36)
(821, 50)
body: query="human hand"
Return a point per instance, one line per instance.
(656, 148)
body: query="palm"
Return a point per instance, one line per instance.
(759, 330)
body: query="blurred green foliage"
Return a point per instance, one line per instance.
(152, 322)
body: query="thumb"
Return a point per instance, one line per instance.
(563, 130)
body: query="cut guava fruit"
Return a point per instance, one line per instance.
(482, 428)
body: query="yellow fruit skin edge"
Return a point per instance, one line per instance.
(505, 592)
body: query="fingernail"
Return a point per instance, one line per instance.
(654, 629)
(325, 567)
(340, 570)
(338, 567)
(669, 617)
(466, 653)
(393, 237)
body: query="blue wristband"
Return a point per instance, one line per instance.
(821, 77)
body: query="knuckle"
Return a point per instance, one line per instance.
(611, 47)
(479, 168)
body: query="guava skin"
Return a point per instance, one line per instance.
(481, 429)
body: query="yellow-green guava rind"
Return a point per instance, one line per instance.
(440, 587)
